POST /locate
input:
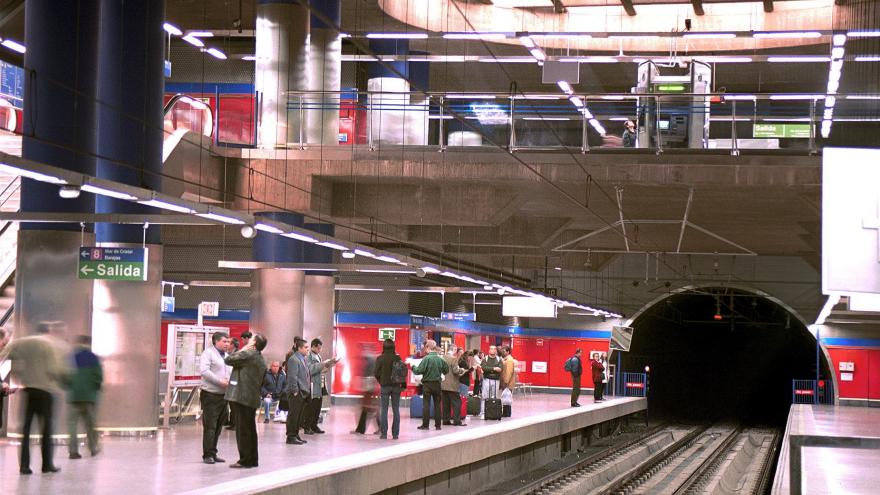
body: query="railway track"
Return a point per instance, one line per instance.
(716, 459)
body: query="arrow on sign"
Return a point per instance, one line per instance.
(86, 270)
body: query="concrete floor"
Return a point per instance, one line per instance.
(171, 462)
(832, 470)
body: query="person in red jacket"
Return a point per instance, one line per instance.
(597, 369)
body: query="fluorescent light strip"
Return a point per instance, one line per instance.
(508, 60)
(436, 291)
(868, 58)
(300, 237)
(14, 46)
(796, 97)
(333, 245)
(379, 270)
(107, 192)
(268, 228)
(562, 36)
(590, 60)
(536, 97)
(388, 259)
(799, 59)
(527, 42)
(214, 52)
(201, 34)
(220, 218)
(164, 205)
(192, 40)
(633, 37)
(708, 36)
(725, 60)
(838, 39)
(397, 36)
(787, 34)
(9, 169)
(740, 97)
(362, 289)
(462, 96)
(863, 97)
(565, 87)
(366, 254)
(430, 269)
(538, 54)
(172, 29)
(577, 101)
(863, 34)
(475, 36)
(837, 52)
(546, 118)
(249, 58)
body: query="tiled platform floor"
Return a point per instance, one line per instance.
(171, 462)
(832, 470)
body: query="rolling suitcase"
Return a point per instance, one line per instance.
(506, 410)
(473, 405)
(492, 408)
(416, 406)
(464, 407)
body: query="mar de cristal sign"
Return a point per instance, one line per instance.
(112, 263)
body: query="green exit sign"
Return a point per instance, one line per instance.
(781, 131)
(112, 263)
(386, 333)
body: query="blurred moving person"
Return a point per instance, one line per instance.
(317, 370)
(298, 390)
(243, 395)
(273, 386)
(391, 373)
(431, 368)
(574, 366)
(597, 371)
(491, 366)
(215, 381)
(38, 367)
(82, 396)
(367, 382)
(451, 387)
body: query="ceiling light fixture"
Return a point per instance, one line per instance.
(268, 228)
(69, 192)
(12, 170)
(249, 58)
(475, 36)
(538, 54)
(863, 34)
(201, 34)
(220, 218)
(527, 42)
(108, 192)
(348, 255)
(300, 237)
(216, 53)
(868, 58)
(397, 36)
(388, 259)
(165, 205)
(366, 254)
(709, 36)
(192, 40)
(333, 245)
(172, 29)
(565, 87)
(14, 46)
(798, 59)
(838, 39)
(787, 34)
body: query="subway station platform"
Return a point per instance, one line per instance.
(336, 462)
(840, 450)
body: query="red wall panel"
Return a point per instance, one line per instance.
(858, 388)
(350, 344)
(873, 373)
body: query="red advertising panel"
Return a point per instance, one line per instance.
(351, 344)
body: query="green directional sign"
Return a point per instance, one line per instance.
(386, 333)
(112, 263)
(781, 131)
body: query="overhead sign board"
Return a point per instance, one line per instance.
(112, 263)
(168, 304)
(538, 307)
(459, 316)
(781, 131)
(207, 308)
(621, 338)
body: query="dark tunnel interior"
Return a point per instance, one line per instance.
(721, 354)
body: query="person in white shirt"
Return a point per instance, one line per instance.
(215, 381)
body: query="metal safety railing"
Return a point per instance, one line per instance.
(811, 392)
(633, 384)
(578, 122)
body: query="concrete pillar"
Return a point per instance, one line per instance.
(59, 129)
(282, 51)
(277, 294)
(325, 74)
(394, 118)
(125, 315)
(319, 296)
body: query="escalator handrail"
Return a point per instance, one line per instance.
(180, 96)
(9, 312)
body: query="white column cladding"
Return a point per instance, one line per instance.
(126, 328)
(319, 302)
(395, 117)
(281, 65)
(277, 308)
(325, 74)
(48, 290)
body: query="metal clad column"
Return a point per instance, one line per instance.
(282, 51)
(388, 96)
(59, 129)
(325, 74)
(319, 297)
(277, 294)
(126, 321)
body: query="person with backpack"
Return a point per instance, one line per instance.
(573, 366)
(391, 373)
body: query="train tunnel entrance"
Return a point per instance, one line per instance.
(720, 353)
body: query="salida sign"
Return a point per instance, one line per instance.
(112, 263)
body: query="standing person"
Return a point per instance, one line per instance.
(478, 372)
(508, 370)
(243, 395)
(605, 371)
(431, 367)
(37, 365)
(629, 134)
(573, 365)
(390, 387)
(491, 374)
(273, 386)
(451, 388)
(298, 390)
(597, 369)
(317, 372)
(82, 395)
(215, 381)
(466, 362)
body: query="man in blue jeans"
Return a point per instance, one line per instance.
(390, 389)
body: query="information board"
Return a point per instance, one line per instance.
(781, 131)
(112, 263)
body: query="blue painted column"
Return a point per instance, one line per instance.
(276, 293)
(130, 87)
(325, 72)
(59, 129)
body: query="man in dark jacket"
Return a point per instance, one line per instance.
(243, 395)
(273, 386)
(573, 366)
(298, 390)
(82, 394)
(431, 368)
(491, 366)
(597, 369)
(390, 389)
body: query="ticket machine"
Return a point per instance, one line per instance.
(680, 117)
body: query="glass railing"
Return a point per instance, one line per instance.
(581, 122)
(185, 114)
